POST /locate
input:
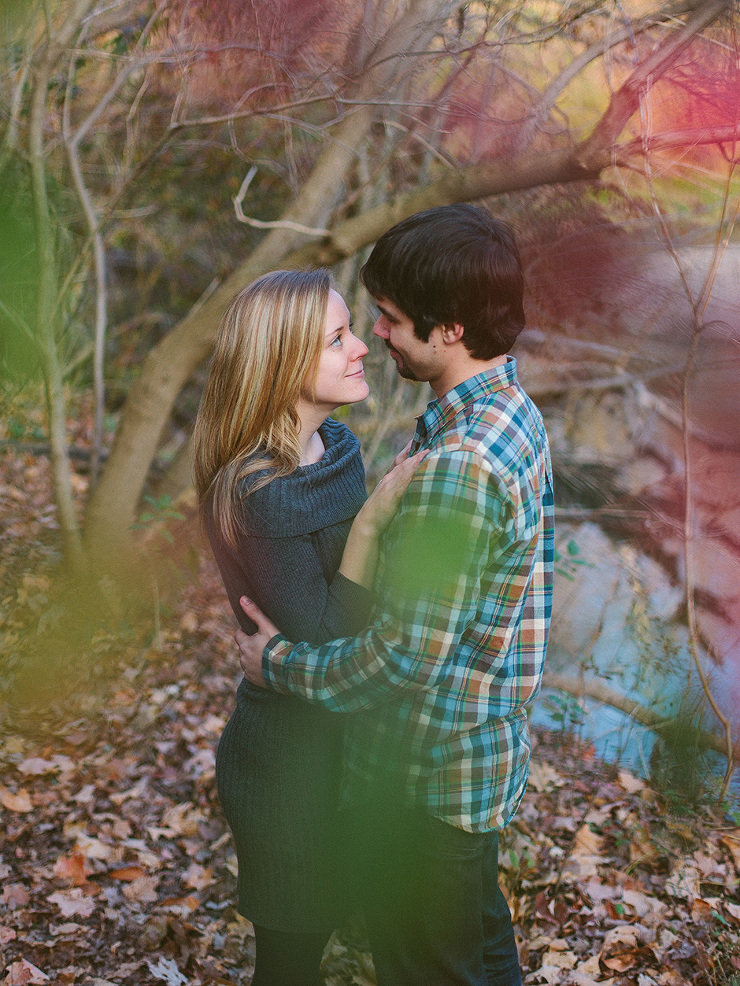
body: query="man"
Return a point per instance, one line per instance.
(437, 750)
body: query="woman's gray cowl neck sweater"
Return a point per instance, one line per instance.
(279, 758)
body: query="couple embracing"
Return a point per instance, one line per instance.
(389, 644)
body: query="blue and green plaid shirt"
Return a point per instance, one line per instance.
(437, 686)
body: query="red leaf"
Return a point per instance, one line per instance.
(72, 869)
(127, 873)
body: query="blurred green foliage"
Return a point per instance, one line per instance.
(159, 510)
(435, 550)
(13, 13)
(18, 277)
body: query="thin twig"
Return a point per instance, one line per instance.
(275, 224)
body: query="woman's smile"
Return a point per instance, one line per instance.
(340, 375)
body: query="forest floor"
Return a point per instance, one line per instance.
(116, 865)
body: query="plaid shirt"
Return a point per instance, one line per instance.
(437, 685)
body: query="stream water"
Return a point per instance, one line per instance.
(616, 618)
(615, 308)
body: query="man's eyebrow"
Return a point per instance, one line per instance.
(384, 311)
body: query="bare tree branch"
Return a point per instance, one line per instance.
(72, 141)
(625, 102)
(595, 51)
(597, 690)
(276, 224)
(679, 139)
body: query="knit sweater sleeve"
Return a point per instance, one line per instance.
(287, 578)
(291, 543)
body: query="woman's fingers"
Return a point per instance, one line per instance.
(408, 466)
(382, 504)
(403, 454)
(397, 480)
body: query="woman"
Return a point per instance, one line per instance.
(282, 492)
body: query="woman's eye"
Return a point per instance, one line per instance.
(336, 342)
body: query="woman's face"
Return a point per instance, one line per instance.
(339, 378)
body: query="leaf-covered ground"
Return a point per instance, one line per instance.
(116, 865)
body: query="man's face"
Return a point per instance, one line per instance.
(414, 359)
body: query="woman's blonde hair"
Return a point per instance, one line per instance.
(268, 346)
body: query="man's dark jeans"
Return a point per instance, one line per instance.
(432, 903)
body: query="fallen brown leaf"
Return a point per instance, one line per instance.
(127, 873)
(731, 842)
(630, 783)
(22, 973)
(563, 960)
(73, 869)
(197, 876)
(142, 890)
(15, 896)
(73, 902)
(588, 842)
(685, 880)
(37, 766)
(93, 848)
(733, 910)
(620, 962)
(181, 906)
(19, 802)
(642, 846)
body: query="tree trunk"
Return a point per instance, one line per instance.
(111, 510)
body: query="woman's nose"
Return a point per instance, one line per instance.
(360, 350)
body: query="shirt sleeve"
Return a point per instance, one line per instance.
(427, 593)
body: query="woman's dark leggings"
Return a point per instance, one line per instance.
(285, 958)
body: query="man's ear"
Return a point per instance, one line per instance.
(452, 332)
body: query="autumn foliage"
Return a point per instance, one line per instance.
(116, 863)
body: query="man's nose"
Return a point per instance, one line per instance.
(380, 330)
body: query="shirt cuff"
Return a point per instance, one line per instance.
(276, 648)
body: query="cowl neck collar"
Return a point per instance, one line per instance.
(314, 496)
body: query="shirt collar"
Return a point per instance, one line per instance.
(443, 410)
